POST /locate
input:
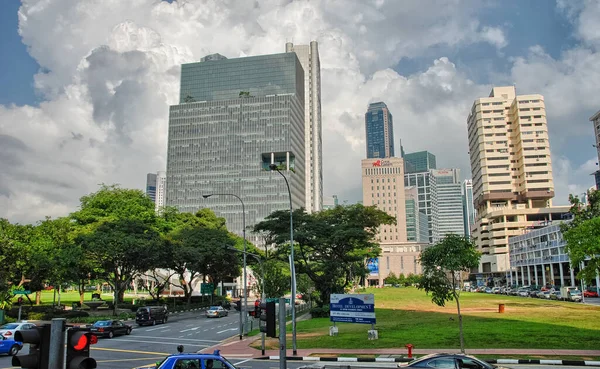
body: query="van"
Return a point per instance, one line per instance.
(151, 315)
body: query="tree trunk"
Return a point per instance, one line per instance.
(38, 297)
(188, 294)
(460, 325)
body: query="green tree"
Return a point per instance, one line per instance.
(442, 264)
(391, 279)
(330, 246)
(13, 244)
(277, 278)
(582, 235)
(402, 279)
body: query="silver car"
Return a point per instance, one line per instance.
(216, 312)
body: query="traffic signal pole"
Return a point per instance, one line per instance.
(282, 334)
(56, 355)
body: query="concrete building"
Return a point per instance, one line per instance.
(313, 145)
(449, 202)
(379, 127)
(426, 188)
(234, 118)
(512, 171)
(538, 257)
(419, 162)
(330, 202)
(151, 186)
(383, 186)
(397, 258)
(595, 119)
(468, 208)
(161, 190)
(417, 229)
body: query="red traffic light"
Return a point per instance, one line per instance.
(82, 343)
(93, 340)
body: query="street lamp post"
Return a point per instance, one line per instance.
(293, 269)
(245, 306)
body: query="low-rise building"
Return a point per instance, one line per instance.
(398, 258)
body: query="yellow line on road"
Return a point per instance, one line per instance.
(130, 351)
(136, 359)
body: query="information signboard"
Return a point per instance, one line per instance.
(357, 308)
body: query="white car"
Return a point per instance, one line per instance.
(216, 312)
(8, 330)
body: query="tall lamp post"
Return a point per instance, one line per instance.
(293, 269)
(245, 306)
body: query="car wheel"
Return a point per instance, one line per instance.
(128, 331)
(111, 334)
(154, 322)
(14, 350)
(165, 320)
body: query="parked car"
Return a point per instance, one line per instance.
(9, 346)
(555, 295)
(151, 315)
(110, 328)
(590, 293)
(574, 295)
(496, 290)
(448, 361)
(216, 312)
(544, 295)
(8, 330)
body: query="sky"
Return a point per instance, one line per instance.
(85, 86)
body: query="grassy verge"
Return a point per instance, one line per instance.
(407, 315)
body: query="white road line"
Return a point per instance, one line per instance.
(190, 329)
(158, 343)
(174, 338)
(230, 329)
(153, 329)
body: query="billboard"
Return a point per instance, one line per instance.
(373, 266)
(352, 308)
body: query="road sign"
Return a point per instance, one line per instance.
(352, 308)
(207, 288)
(22, 292)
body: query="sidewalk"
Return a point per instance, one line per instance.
(237, 348)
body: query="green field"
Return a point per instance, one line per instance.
(407, 315)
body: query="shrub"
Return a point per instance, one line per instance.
(320, 312)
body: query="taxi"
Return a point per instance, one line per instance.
(194, 361)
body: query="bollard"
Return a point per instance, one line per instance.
(409, 347)
(500, 308)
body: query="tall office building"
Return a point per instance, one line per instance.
(417, 229)
(234, 118)
(313, 146)
(151, 186)
(161, 189)
(383, 186)
(330, 202)
(595, 119)
(468, 208)
(379, 127)
(512, 171)
(418, 162)
(449, 202)
(426, 189)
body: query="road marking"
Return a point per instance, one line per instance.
(153, 329)
(130, 351)
(230, 329)
(162, 343)
(190, 329)
(132, 359)
(174, 338)
(243, 361)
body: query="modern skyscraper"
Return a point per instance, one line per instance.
(449, 202)
(330, 202)
(232, 114)
(161, 189)
(151, 186)
(512, 171)
(417, 229)
(595, 119)
(379, 131)
(418, 162)
(468, 209)
(313, 146)
(383, 186)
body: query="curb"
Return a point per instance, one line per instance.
(406, 360)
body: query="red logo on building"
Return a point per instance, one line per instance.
(377, 163)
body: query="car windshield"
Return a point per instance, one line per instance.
(575, 293)
(102, 323)
(214, 308)
(10, 326)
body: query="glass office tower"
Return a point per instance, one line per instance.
(231, 113)
(379, 131)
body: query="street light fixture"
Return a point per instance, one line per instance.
(292, 268)
(245, 307)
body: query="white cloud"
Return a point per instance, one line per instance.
(111, 69)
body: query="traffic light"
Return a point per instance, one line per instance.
(78, 349)
(38, 339)
(268, 319)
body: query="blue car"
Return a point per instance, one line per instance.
(9, 346)
(195, 361)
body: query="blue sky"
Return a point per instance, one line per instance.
(111, 72)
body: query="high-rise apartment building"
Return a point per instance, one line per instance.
(379, 127)
(161, 189)
(512, 171)
(418, 162)
(151, 186)
(595, 119)
(468, 208)
(234, 118)
(313, 146)
(383, 186)
(449, 202)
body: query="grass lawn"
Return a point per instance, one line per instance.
(407, 315)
